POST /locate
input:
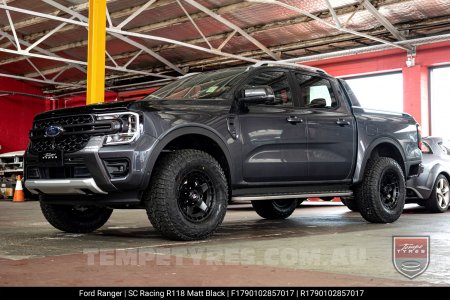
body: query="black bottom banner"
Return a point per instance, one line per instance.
(381, 293)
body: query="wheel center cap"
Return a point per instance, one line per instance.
(193, 195)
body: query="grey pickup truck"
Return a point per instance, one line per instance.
(270, 133)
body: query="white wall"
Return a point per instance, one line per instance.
(382, 91)
(440, 102)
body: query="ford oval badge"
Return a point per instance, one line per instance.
(53, 131)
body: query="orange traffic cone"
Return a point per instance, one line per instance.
(19, 196)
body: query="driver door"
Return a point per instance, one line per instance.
(274, 145)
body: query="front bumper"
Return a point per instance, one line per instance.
(98, 181)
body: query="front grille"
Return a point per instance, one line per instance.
(67, 144)
(77, 131)
(61, 121)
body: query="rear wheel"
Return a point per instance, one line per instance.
(75, 219)
(381, 196)
(275, 209)
(439, 200)
(350, 203)
(188, 195)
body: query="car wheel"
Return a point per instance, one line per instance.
(275, 209)
(188, 195)
(75, 219)
(439, 200)
(381, 196)
(351, 203)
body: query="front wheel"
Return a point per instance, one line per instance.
(75, 219)
(439, 199)
(188, 195)
(381, 196)
(275, 209)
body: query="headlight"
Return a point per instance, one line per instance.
(130, 128)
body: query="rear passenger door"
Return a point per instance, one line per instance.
(331, 127)
(273, 135)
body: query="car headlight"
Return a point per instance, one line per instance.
(130, 127)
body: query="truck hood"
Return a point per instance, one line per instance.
(160, 116)
(89, 109)
(142, 105)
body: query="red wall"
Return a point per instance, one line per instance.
(17, 113)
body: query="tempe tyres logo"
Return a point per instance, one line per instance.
(411, 254)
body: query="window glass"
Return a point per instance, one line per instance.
(279, 83)
(208, 85)
(315, 92)
(426, 148)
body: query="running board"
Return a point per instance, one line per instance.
(292, 196)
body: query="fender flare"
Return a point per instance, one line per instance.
(368, 153)
(178, 132)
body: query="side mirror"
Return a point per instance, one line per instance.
(318, 103)
(257, 95)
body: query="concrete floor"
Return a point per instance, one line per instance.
(321, 244)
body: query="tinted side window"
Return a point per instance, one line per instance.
(426, 149)
(315, 92)
(279, 83)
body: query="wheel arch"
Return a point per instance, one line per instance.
(383, 147)
(193, 137)
(437, 170)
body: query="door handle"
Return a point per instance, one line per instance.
(294, 119)
(343, 122)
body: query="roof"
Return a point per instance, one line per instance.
(155, 41)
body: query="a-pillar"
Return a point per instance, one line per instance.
(416, 95)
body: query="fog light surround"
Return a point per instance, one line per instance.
(117, 167)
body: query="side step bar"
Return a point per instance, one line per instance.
(292, 196)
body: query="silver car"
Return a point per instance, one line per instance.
(431, 188)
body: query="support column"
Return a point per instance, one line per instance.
(416, 95)
(96, 52)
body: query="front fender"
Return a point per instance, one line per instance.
(164, 140)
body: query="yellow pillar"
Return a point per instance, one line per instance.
(96, 52)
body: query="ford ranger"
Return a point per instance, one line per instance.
(270, 133)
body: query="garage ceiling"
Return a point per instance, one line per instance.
(149, 42)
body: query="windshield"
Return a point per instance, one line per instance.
(209, 85)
